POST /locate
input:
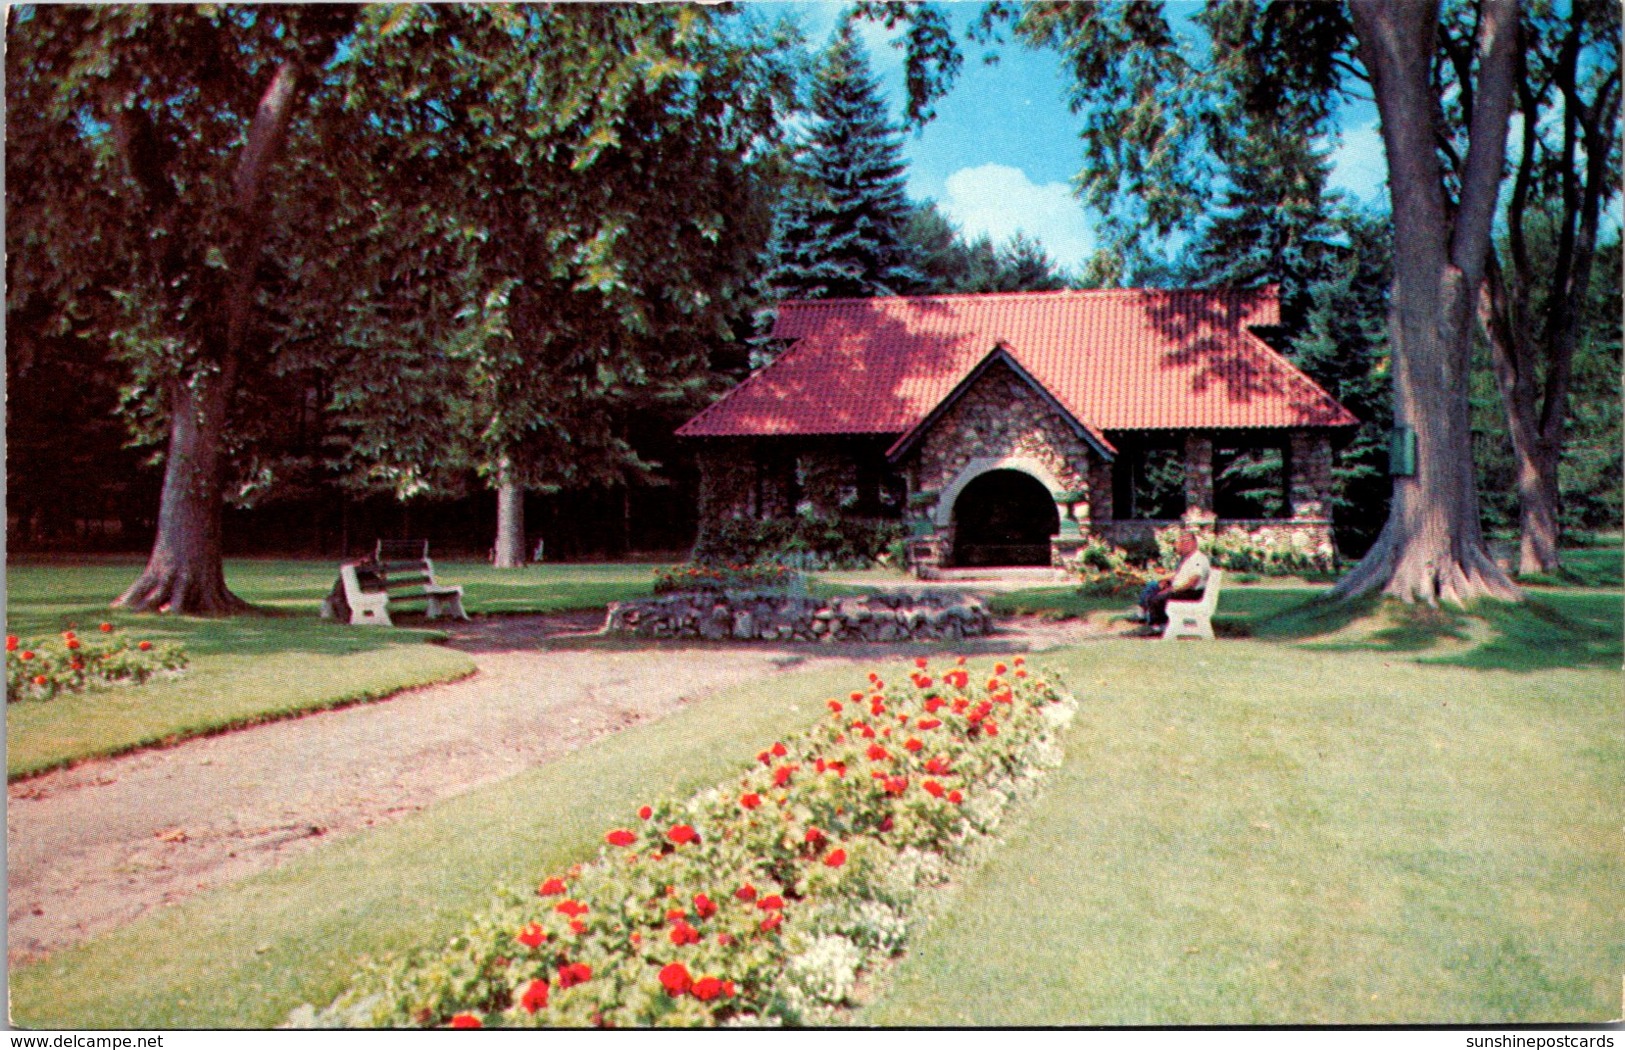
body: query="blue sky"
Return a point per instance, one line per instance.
(1002, 151)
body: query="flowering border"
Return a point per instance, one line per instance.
(762, 902)
(70, 664)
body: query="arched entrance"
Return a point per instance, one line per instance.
(1004, 517)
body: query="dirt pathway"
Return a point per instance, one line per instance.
(92, 848)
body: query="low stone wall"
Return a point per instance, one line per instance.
(759, 616)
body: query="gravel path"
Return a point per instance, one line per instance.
(94, 847)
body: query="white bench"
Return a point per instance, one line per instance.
(406, 571)
(1194, 619)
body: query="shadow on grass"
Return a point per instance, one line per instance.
(1541, 633)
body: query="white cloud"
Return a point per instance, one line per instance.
(1359, 165)
(998, 200)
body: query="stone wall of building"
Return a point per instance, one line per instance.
(766, 616)
(1310, 464)
(1002, 416)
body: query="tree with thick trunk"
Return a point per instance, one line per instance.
(1534, 301)
(1432, 548)
(148, 138)
(185, 572)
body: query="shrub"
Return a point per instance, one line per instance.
(1240, 552)
(1104, 569)
(764, 901)
(70, 664)
(693, 577)
(802, 542)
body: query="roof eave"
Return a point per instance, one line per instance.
(1000, 353)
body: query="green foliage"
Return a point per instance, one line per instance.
(803, 542)
(840, 231)
(1105, 569)
(569, 205)
(946, 263)
(1239, 552)
(761, 901)
(701, 577)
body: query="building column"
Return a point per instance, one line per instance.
(1310, 459)
(1199, 480)
(1100, 489)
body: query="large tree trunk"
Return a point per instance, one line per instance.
(185, 572)
(510, 547)
(1432, 548)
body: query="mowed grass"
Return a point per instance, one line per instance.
(280, 661)
(246, 954)
(1248, 833)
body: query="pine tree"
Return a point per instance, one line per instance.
(842, 231)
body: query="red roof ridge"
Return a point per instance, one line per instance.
(1267, 291)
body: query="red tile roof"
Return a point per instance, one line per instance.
(1116, 360)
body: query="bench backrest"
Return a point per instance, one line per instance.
(1210, 593)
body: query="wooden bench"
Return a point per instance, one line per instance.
(398, 571)
(1194, 619)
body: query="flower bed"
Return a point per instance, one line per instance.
(764, 901)
(695, 577)
(70, 664)
(778, 616)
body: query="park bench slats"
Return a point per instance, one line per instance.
(398, 571)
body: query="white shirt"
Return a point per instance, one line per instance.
(1192, 573)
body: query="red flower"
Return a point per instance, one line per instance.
(781, 776)
(924, 681)
(772, 902)
(40, 679)
(921, 662)
(856, 696)
(935, 704)
(960, 661)
(535, 996)
(675, 978)
(814, 836)
(674, 914)
(682, 933)
(552, 888)
(73, 643)
(106, 628)
(879, 685)
(835, 706)
(747, 892)
(574, 909)
(724, 940)
(928, 723)
(960, 705)
(645, 812)
(78, 665)
(835, 858)
(532, 936)
(144, 646)
(750, 800)
(896, 785)
(466, 1021)
(707, 988)
(932, 788)
(876, 753)
(990, 728)
(11, 643)
(577, 926)
(1000, 668)
(772, 922)
(620, 837)
(572, 974)
(704, 906)
(913, 744)
(780, 750)
(27, 654)
(1021, 672)
(682, 833)
(955, 797)
(764, 758)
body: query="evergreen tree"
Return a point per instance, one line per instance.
(842, 230)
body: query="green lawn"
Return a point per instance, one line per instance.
(1246, 833)
(246, 669)
(1399, 818)
(246, 954)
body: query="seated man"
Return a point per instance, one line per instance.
(1184, 585)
